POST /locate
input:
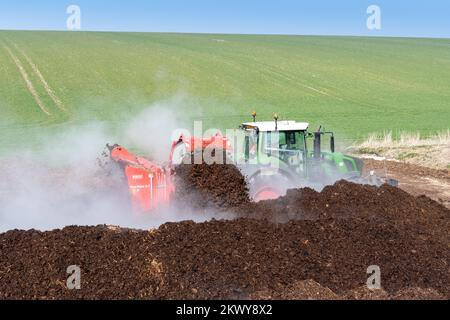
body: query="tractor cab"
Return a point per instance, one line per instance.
(278, 155)
(280, 143)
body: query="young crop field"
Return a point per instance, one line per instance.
(352, 85)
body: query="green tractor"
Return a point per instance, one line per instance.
(281, 155)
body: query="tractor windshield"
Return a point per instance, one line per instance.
(285, 141)
(289, 146)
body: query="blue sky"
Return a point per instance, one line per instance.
(415, 18)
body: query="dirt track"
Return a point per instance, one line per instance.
(415, 179)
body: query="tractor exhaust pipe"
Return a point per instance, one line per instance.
(318, 144)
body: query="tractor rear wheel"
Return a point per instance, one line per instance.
(268, 187)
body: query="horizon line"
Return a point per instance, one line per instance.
(232, 33)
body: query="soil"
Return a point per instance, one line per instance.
(211, 186)
(306, 245)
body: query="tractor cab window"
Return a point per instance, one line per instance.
(251, 145)
(289, 146)
(291, 140)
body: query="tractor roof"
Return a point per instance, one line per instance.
(266, 126)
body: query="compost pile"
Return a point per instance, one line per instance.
(218, 187)
(306, 245)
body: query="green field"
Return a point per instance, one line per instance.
(352, 85)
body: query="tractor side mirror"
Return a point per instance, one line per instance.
(332, 144)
